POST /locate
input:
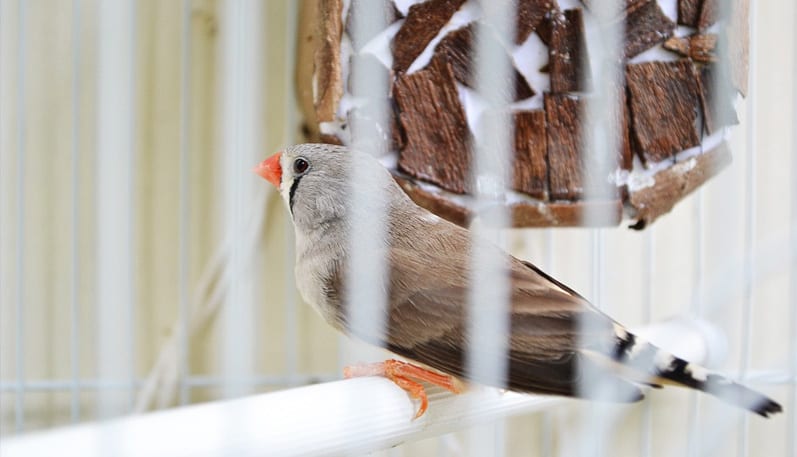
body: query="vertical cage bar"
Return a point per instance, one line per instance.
(547, 427)
(696, 310)
(597, 248)
(74, 408)
(489, 303)
(131, 209)
(288, 137)
(241, 79)
(649, 261)
(19, 402)
(750, 227)
(185, 203)
(598, 164)
(792, 448)
(115, 201)
(366, 281)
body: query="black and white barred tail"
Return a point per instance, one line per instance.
(662, 367)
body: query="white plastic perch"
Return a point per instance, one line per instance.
(357, 415)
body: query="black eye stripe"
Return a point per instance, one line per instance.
(292, 192)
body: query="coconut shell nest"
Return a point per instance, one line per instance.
(665, 106)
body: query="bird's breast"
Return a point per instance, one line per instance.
(318, 279)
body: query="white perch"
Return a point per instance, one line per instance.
(335, 418)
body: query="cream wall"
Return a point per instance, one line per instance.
(698, 254)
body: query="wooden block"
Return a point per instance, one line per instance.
(625, 155)
(698, 47)
(674, 183)
(330, 139)
(422, 24)
(457, 49)
(689, 12)
(568, 59)
(523, 214)
(435, 202)
(709, 13)
(664, 100)
(438, 141)
(530, 15)
(563, 117)
(545, 29)
(530, 166)
(607, 213)
(646, 26)
(327, 78)
(368, 30)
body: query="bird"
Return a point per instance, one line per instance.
(558, 342)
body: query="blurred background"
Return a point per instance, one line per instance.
(145, 266)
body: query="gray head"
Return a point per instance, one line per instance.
(313, 179)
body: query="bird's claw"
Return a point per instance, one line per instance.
(406, 376)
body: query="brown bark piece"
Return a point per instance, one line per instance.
(327, 76)
(438, 141)
(699, 48)
(530, 167)
(457, 49)
(646, 26)
(689, 12)
(530, 14)
(562, 115)
(568, 59)
(330, 139)
(568, 214)
(625, 155)
(717, 111)
(675, 183)
(307, 36)
(423, 23)
(435, 202)
(664, 100)
(709, 13)
(531, 214)
(367, 30)
(545, 29)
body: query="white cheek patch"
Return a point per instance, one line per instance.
(287, 180)
(285, 186)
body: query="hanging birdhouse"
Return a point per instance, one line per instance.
(683, 65)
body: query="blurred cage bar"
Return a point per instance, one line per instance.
(143, 266)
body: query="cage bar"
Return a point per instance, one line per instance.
(19, 401)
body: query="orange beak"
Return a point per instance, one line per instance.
(271, 170)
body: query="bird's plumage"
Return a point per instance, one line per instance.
(558, 342)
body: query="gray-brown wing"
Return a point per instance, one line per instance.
(548, 326)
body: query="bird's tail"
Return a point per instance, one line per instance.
(691, 375)
(665, 368)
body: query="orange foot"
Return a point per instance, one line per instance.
(406, 376)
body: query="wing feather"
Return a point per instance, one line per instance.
(549, 323)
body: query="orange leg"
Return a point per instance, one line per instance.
(405, 375)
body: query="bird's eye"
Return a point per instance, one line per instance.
(300, 166)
